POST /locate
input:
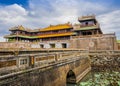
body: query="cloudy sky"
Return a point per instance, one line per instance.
(36, 14)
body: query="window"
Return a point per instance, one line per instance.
(86, 23)
(64, 45)
(52, 45)
(41, 46)
(23, 61)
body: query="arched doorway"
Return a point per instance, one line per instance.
(71, 78)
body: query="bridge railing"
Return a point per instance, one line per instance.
(62, 61)
(46, 58)
(39, 59)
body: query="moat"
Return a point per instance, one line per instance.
(100, 79)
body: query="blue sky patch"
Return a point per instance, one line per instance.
(24, 3)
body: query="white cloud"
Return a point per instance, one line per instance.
(2, 39)
(12, 14)
(42, 13)
(61, 11)
(110, 22)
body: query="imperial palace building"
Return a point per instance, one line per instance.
(85, 35)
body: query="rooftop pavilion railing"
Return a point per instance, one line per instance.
(84, 17)
(97, 35)
(88, 25)
(48, 33)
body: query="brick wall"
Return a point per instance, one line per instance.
(118, 46)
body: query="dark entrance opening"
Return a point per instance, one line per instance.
(52, 45)
(71, 78)
(41, 46)
(64, 45)
(89, 33)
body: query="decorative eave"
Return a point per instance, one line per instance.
(58, 35)
(17, 28)
(21, 36)
(41, 36)
(49, 28)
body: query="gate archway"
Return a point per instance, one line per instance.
(71, 78)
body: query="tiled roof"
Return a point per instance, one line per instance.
(17, 28)
(57, 27)
(23, 29)
(49, 28)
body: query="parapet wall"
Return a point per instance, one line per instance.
(18, 45)
(98, 42)
(91, 42)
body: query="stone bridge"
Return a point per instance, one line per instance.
(43, 69)
(51, 67)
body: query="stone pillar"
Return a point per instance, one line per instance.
(58, 45)
(46, 45)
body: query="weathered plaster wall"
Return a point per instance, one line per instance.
(95, 43)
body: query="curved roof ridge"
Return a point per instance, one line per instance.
(57, 27)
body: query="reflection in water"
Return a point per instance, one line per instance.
(100, 79)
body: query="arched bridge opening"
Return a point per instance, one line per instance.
(70, 78)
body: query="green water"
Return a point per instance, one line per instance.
(100, 79)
